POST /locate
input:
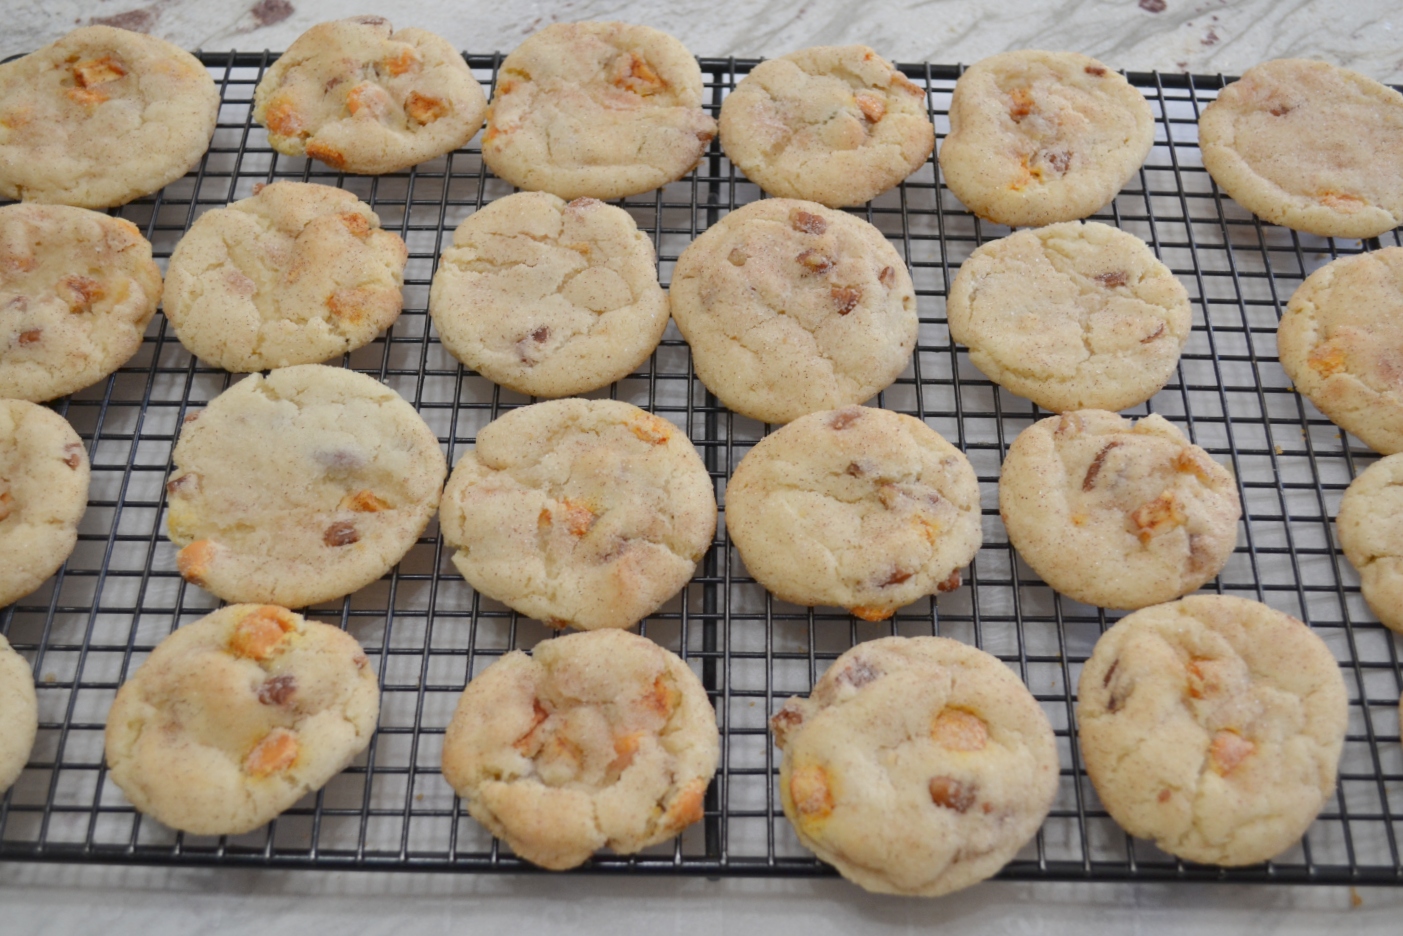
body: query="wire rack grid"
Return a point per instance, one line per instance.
(427, 632)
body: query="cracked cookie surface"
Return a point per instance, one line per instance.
(1117, 514)
(19, 714)
(1341, 342)
(234, 718)
(832, 124)
(363, 98)
(791, 308)
(595, 740)
(549, 298)
(1370, 526)
(579, 513)
(297, 274)
(43, 494)
(917, 766)
(301, 486)
(77, 289)
(1212, 725)
(1039, 137)
(1302, 143)
(597, 110)
(857, 508)
(102, 116)
(1078, 315)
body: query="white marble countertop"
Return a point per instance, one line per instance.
(1201, 36)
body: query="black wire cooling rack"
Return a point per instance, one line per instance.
(426, 631)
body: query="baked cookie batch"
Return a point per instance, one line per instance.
(919, 766)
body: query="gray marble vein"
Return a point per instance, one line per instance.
(1200, 36)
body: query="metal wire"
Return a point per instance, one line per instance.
(427, 632)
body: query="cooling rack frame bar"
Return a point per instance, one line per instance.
(750, 651)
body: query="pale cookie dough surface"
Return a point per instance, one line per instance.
(857, 508)
(101, 117)
(1038, 137)
(43, 494)
(301, 487)
(294, 275)
(917, 766)
(363, 98)
(832, 124)
(791, 308)
(1341, 343)
(600, 110)
(19, 714)
(1117, 514)
(1309, 145)
(549, 298)
(580, 513)
(237, 716)
(77, 289)
(1370, 525)
(1212, 725)
(1072, 316)
(598, 740)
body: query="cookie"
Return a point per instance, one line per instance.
(858, 508)
(1077, 315)
(598, 740)
(234, 718)
(547, 298)
(598, 110)
(363, 98)
(792, 308)
(1339, 341)
(1117, 514)
(1303, 144)
(102, 116)
(43, 494)
(1370, 525)
(300, 487)
(294, 275)
(1038, 137)
(832, 124)
(1212, 725)
(19, 714)
(580, 513)
(77, 289)
(917, 766)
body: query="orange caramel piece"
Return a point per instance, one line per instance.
(194, 560)
(406, 60)
(98, 71)
(425, 109)
(261, 634)
(872, 612)
(364, 502)
(1326, 359)
(274, 753)
(808, 788)
(958, 730)
(1229, 749)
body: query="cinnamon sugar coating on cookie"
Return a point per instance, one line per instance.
(1341, 343)
(833, 124)
(1072, 316)
(296, 274)
(77, 289)
(100, 117)
(1370, 527)
(547, 297)
(917, 766)
(235, 717)
(301, 486)
(596, 740)
(1309, 145)
(790, 308)
(44, 477)
(363, 98)
(1212, 725)
(586, 513)
(1040, 137)
(860, 508)
(1117, 514)
(19, 714)
(600, 110)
